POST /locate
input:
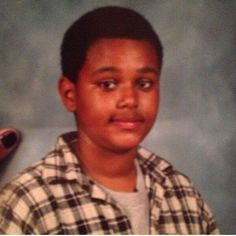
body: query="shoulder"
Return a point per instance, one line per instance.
(162, 167)
(26, 198)
(178, 192)
(30, 186)
(23, 185)
(177, 187)
(58, 165)
(17, 200)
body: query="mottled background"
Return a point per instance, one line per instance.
(196, 125)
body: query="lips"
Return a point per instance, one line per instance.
(127, 122)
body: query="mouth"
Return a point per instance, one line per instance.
(127, 122)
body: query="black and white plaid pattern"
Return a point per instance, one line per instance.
(55, 197)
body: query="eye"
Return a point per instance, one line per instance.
(107, 84)
(144, 84)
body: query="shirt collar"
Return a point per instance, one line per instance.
(154, 166)
(156, 172)
(62, 165)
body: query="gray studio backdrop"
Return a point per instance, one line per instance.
(196, 127)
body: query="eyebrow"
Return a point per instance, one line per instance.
(116, 70)
(148, 70)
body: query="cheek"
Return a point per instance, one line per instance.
(103, 102)
(151, 104)
(90, 108)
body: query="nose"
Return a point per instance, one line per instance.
(128, 97)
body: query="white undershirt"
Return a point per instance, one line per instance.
(134, 204)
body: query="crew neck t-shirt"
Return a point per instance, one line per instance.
(134, 204)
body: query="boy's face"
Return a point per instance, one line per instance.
(116, 96)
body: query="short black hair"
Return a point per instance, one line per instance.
(104, 22)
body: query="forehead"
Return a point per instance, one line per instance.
(115, 42)
(121, 50)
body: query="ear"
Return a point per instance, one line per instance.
(67, 91)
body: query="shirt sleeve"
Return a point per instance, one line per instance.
(209, 223)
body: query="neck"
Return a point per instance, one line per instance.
(114, 170)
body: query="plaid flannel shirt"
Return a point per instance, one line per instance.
(55, 197)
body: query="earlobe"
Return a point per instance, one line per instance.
(67, 91)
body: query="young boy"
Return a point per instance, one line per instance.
(98, 180)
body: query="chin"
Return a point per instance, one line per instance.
(124, 145)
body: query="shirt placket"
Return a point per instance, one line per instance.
(155, 195)
(117, 220)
